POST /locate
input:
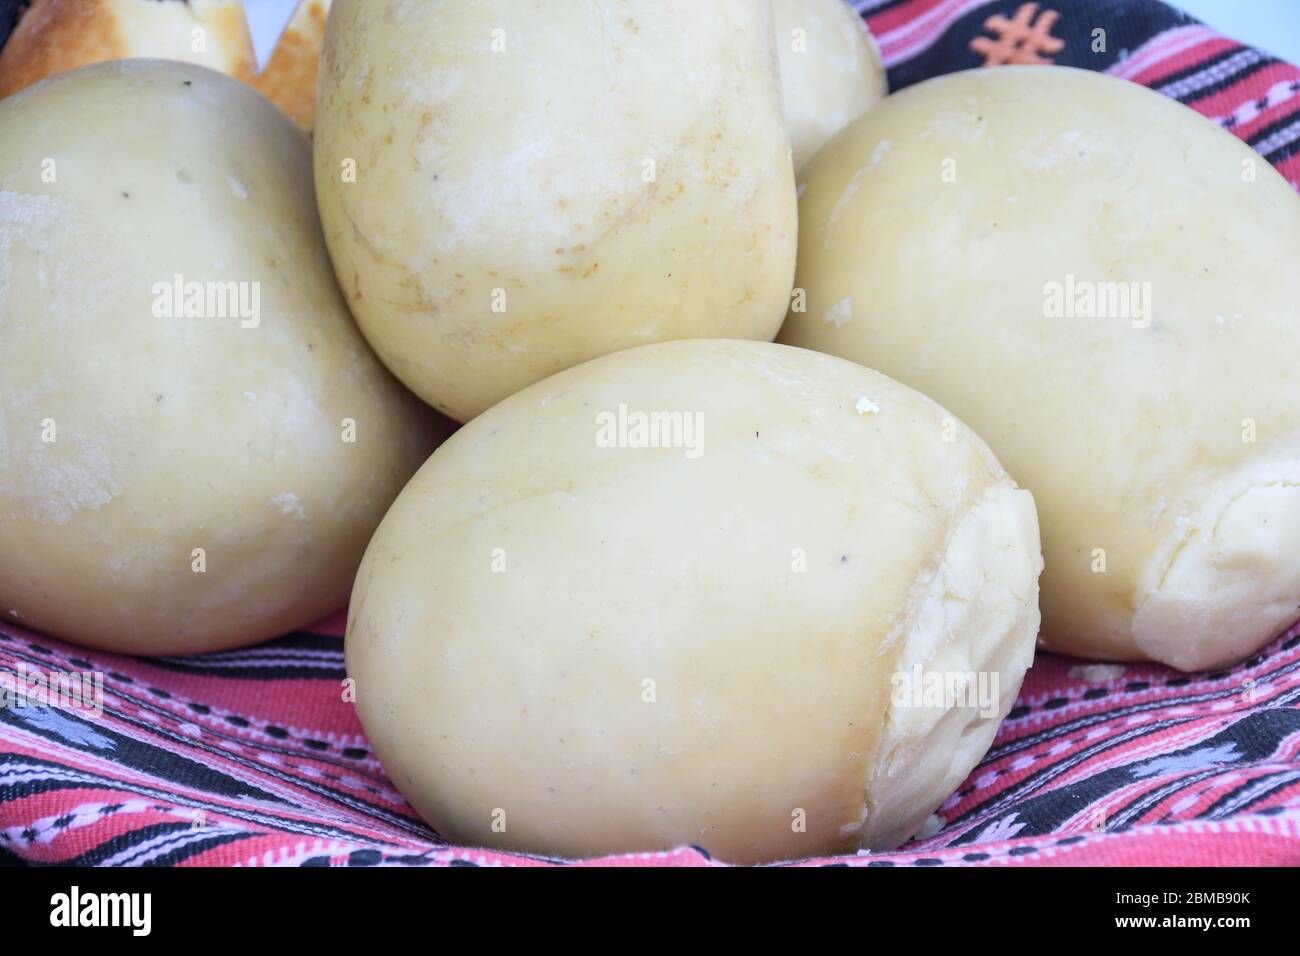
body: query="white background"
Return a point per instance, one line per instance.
(1271, 25)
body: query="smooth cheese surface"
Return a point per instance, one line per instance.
(195, 440)
(509, 189)
(638, 642)
(1106, 287)
(831, 71)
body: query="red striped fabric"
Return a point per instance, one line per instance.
(253, 758)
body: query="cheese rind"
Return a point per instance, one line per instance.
(631, 645)
(1105, 286)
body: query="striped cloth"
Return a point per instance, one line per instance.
(1245, 90)
(254, 758)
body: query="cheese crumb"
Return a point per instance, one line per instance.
(840, 314)
(1096, 673)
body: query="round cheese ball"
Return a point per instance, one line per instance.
(830, 71)
(1106, 287)
(711, 608)
(509, 189)
(195, 441)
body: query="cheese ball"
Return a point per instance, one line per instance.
(830, 71)
(1106, 286)
(195, 441)
(704, 611)
(509, 189)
